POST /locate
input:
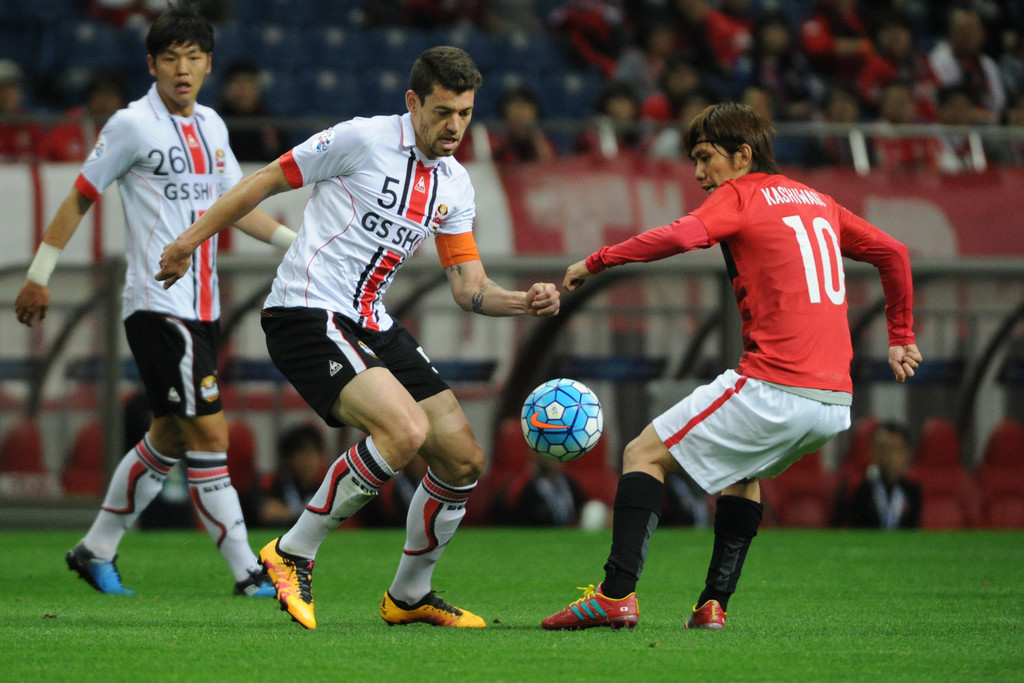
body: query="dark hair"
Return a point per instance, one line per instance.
(894, 427)
(728, 125)
(182, 24)
(450, 67)
(299, 437)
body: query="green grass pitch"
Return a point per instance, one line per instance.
(811, 606)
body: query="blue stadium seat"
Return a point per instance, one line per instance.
(382, 91)
(91, 44)
(396, 47)
(335, 94)
(570, 95)
(339, 47)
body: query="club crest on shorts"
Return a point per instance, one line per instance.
(208, 389)
(367, 349)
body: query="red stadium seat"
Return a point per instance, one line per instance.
(950, 495)
(23, 474)
(242, 457)
(83, 473)
(510, 457)
(802, 495)
(1001, 476)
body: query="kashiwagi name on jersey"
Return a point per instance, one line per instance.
(791, 195)
(170, 169)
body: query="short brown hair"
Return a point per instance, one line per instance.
(728, 125)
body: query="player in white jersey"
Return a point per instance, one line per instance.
(171, 159)
(383, 185)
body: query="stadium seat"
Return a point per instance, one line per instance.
(802, 495)
(23, 474)
(83, 473)
(22, 448)
(1001, 476)
(950, 496)
(242, 458)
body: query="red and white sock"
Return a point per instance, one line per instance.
(351, 482)
(435, 511)
(216, 500)
(137, 480)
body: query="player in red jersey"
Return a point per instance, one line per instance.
(783, 244)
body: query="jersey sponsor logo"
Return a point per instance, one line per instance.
(172, 396)
(386, 229)
(323, 141)
(534, 421)
(439, 215)
(99, 148)
(208, 389)
(334, 367)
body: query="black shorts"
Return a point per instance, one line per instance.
(177, 362)
(320, 352)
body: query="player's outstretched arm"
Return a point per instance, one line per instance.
(474, 291)
(237, 202)
(904, 360)
(33, 299)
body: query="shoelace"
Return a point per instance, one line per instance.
(588, 592)
(435, 601)
(304, 574)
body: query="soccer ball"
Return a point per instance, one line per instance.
(562, 419)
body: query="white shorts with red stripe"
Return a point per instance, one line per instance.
(738, 428)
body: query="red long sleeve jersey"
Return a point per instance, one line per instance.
(783, 244)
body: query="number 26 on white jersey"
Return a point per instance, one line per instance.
(831, 259)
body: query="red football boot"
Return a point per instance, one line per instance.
(710, 615)
(594, 609)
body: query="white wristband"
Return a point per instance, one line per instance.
(43, 264)
(282, 237)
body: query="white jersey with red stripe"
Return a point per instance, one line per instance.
(169, 169)
(377, 197)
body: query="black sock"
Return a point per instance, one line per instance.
(638, 501)
(736, 522)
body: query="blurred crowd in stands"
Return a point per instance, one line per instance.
(643, 67)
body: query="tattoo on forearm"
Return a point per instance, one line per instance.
(478, 298)
(457, 269)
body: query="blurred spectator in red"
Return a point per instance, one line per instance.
(595, 30)
(20, 140)
(958, 60)
(544, 495)
(240, 98)
(667, 142)
(835, 38)
(73, 139)
(885, 499)
(716, 38)
(522, 138)
(302, 463)
(956, 154)
(680, 79)
(616, 123)
(642, 65)
(896, 58)
(840, 105)
(141, 13)
(777, 64)
(903, 153)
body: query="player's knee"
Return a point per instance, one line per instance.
(638, 455)
(405, 438)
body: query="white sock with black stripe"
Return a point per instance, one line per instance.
(435, 511)
(351, 482)
(137, 480)
(216, 500)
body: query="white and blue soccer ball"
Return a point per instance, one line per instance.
(562, 419)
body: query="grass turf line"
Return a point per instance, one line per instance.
(812, 605)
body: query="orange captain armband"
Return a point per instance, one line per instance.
(456, 249)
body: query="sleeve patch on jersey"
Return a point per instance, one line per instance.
(99, 148)
(456, 249)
